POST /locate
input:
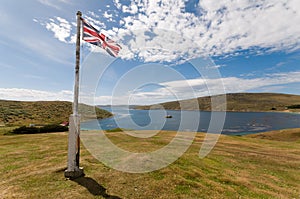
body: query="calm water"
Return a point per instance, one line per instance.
(236, 123)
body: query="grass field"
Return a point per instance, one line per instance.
(32, 166)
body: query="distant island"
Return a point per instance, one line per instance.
(239, 102)
(44, 112)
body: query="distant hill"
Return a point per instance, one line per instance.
(242, 102)
(117, 106)
(43, 112)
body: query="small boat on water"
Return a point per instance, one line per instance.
(169, 116)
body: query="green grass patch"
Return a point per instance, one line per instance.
(115, 130)
(157, 175)
(182, 189)
(34, 130)
(6, 130)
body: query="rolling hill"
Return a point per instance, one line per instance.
(43, 112)
(241, 102)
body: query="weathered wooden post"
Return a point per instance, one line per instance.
(73, 169)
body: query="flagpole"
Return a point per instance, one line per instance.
(73, 169)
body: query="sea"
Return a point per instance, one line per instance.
(228, 123)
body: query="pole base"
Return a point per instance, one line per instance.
(77, 173)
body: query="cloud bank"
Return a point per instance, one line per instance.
(34, 95)
(175, 30)
(167, 91)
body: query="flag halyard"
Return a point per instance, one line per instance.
(93, 36)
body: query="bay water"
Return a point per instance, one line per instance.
(235, 123)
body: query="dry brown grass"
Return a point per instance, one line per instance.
(288, 135)
(32, 166)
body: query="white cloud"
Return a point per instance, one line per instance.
(96, 23)
(181, 89)
(117, 4)
(165, 31)
(34, 95)
(93, 14)
(168, 91)
(61, 29)
(106, 15)
(222, 27)
(192, 88)
(32, 39)
(235, 84)
(132, 8)
(65, 31)
(53, 3)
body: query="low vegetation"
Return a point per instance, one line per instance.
(32, 166)
(114, 130)
(295, 106)
(244, 102)
(286, 135)
(34, 130)
(16, 113)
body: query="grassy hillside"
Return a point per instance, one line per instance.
(237, 102)
(42, 112)
(32, 166)
(287, 135)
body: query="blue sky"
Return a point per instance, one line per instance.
(253, 46)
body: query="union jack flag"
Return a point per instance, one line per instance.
(93, 36)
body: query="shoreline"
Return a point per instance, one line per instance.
(234, 111)
(198, 132)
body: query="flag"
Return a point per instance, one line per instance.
(93, 36)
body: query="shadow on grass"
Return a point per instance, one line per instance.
(94, 187)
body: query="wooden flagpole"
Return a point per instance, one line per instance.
(73, 169)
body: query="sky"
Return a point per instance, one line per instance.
(171, 49)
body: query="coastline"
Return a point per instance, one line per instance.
(296, 111)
